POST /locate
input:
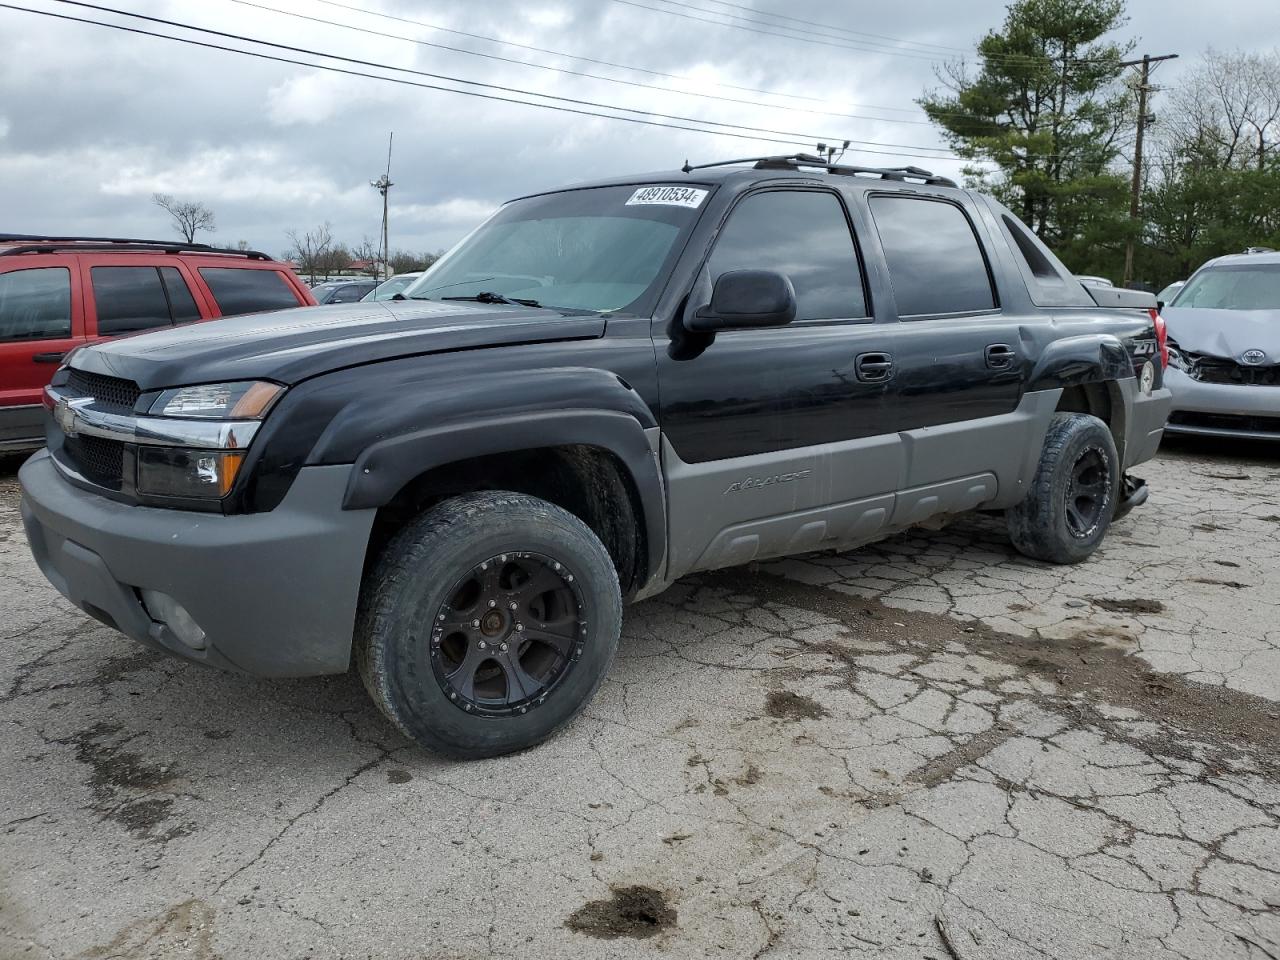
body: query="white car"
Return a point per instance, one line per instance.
(1224, 349)
(388, 288)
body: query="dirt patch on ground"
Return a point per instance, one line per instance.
(1133, 605)
(637, 912)
(117, 772)
(785, 705)
(1087, 673)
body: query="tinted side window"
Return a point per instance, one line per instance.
(935, 262)
(35, 304)
(129, 299)
(248, 291)
(181, 303)
(804, 235)
(350, 293)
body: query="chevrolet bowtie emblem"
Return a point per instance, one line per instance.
(65, 413)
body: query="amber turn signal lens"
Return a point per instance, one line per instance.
(230, 469)
(256, 400)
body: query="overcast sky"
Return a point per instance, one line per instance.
(93, 121)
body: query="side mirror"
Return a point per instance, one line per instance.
(746, 298)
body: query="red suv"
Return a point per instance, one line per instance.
(59, 292)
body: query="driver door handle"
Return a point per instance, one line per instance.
(1000, 356)
(874, 367)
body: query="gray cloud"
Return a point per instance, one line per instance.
(93, 121)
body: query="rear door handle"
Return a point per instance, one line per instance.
(52, 357)
(1000, 356)
(874, 367)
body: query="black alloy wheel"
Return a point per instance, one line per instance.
(510, 631)
(1088, 493)
(1071, 500)
(487, 623)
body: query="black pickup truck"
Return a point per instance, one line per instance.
(602, 389)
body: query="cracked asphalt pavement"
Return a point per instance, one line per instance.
(928, 748)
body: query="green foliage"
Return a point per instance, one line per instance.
(1045, 107)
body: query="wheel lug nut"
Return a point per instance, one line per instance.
(483, 645)
(519, 626)
(441, 617)
(503, 648)
(475, 623)
(493, 603)
(512, 605)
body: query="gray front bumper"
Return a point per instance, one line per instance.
(1222, 399)
(275, 593)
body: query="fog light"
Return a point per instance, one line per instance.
(1148, 380)
(164, 609)
(175, 472)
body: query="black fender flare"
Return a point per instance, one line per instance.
(615, 421)
(1074, 361)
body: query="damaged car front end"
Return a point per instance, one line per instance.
(1224, 350)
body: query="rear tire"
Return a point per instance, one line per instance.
(1069, 507)
(487, 624)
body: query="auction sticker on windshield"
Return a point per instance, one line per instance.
(668, 196)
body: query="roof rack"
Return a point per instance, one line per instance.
(31, 243)
(797, 160)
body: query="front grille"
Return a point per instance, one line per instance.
(98, 460)
(1219, 370)
(109, 393)
(1226, 421)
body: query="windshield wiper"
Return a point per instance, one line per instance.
(446, 286)
(488, 296)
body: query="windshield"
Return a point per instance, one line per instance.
(1245, 286)
(604, 249)
(389, 288)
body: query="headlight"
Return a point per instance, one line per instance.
(198, 436)
(172, 472)
(246, 400)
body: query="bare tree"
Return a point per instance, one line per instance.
(190, 216)
(312, 250)
(367, 250)
(1230, 105)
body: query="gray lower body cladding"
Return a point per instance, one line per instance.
(21, 428)
(841, 495)
(274, 593)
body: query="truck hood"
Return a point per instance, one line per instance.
(1224, 333)
(289, 346)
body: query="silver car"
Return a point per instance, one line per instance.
(1224, 349)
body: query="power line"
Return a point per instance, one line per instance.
(602, 63)
(838, 29)
(829, 42)
(427, 86)
(574, 73)
(487, 86)
(738, 22)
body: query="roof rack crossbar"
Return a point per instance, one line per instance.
(32, 243)
(797, 160)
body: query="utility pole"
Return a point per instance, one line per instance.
(383, 185)
(1135, 189)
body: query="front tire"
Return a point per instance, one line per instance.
(1069, 507)
(488, 623)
